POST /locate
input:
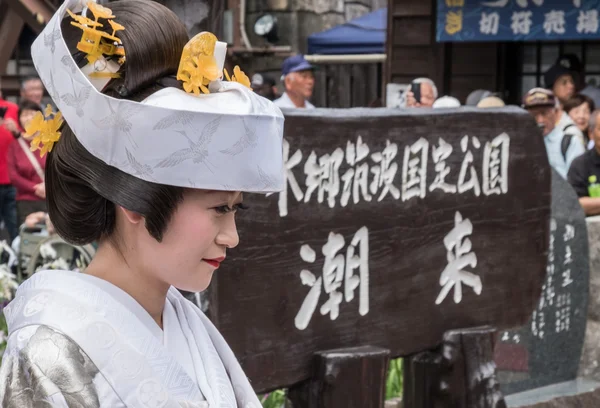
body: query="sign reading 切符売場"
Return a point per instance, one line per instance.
(517, 20)
(394, 227)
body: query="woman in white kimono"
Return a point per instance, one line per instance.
(154, 174)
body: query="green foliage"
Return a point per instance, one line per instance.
(275, 399)
(393, 385)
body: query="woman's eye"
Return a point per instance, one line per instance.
(224, 209)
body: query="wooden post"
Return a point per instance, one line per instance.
(345, 378)
(11, 26)
(461, 373)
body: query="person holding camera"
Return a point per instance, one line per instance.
(421, 94)
(8, 205)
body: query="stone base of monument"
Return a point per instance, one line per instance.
(590, 359)
(570, 394)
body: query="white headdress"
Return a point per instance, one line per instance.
(229, 139)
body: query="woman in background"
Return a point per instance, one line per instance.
(26, 168)
(579, 108)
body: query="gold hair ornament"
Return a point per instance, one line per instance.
(238, 76)
(45, 130)
(96, 43)
(198, 66)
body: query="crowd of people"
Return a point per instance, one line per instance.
(565, 112)
(22, 187)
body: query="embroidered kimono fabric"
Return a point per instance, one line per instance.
(78, 341)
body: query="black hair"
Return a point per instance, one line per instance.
(26, 104)
(83, 191)
(28, 79)
(578, 100)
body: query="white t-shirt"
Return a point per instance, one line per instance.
(285, 102)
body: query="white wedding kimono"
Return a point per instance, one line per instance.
(79, 341)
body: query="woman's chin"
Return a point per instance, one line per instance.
(199, 284)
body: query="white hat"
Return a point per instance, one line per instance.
(446, 102)
(491, 102)
(229, 139)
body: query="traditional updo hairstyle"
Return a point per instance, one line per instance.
(82, 190)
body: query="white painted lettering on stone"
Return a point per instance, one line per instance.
(563, 313)
(414, 170)
(568, 256)
(289, 178)
(338, 269)
(385, 171)
(467, 167)
(362, 180)
(333, 274)
(537, 324)
(569, 232)
(495, 165)
(312, 299)
(323, 175)
(360, 262)
(356, 178)
(459, 256)
(440, 154)
(567, 278)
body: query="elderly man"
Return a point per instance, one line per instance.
(428, 93)
(584, 174)
(561, 148)
(32, 89)
(299, 81)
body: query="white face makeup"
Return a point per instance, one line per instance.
(195, 242)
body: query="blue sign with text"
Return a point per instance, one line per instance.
(517, 20)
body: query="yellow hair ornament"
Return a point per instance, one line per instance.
(238, 76)
(198, 67)
(93, 42)
(45, 130)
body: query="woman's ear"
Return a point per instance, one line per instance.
(131, 216)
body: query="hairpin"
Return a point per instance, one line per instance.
(96, 43)
(122, 90)
(238, 76)
(198, 66)
(45, 130)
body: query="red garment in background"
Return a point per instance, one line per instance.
(22, 173)
(6, 138)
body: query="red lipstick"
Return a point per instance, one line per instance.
(215, 262)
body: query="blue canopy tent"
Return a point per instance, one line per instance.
(363, 35)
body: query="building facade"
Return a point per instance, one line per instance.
(427, 38)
